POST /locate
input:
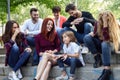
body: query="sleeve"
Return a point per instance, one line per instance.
(57, 42)
(24, 27)
(89, 18)
(64, 49)
(36, 31)
(37, 44)
(8, 45)
(68, 21)
(75, 48)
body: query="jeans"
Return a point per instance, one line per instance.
(87, 29)
(31, 42)
(72, 62)
(95, 46)
(17, 59)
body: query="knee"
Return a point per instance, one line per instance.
(15, 49)
(87, 25)
(49, 63)
(46, 55)
(87, 38)
(104, 44)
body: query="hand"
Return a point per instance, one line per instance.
(78, 20)
(92, 34)
(28, 50)
(17, 30)
(65, 57)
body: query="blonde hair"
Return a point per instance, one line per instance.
(113, 28)
(71, 35)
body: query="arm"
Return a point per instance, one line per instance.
(68, 22)
(89, 18)
(37, 44)
(24, 27)
(57, 44)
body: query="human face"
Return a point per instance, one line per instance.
(15, 26)
(66, 39)
(35, 15)
(74, 13)
(56, 15)
(49, 25)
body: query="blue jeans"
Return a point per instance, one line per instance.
(72, 62)
(17, 59)
(87, 29)
(31, 42)
(95, 46)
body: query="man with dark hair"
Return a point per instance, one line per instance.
(82, 20)
(58, 20)
(32, 27)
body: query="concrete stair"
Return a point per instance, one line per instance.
(84, 73)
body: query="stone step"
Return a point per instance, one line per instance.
(88, 58)
(84, 73)
(2, 50)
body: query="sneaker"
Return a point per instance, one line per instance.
(12, 76)
(84, 50)
(18, 73)
(71, 78)
(64, 76)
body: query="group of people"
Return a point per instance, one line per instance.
(47, 37)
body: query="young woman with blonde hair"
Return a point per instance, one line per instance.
(107, 33)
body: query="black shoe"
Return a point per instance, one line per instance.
(105, 75)
(98, 61)
(34, 79)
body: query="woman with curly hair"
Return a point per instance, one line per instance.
(106, 36)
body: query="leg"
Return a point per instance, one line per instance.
(88, 27)
(13, 56)
(106, 53)
(31, 41)
(23, 57)
(88, 41)
(44, 61)
(46, 71)
(77, 35)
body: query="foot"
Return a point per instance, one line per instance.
(64, 76)
(13, 76)
(98, 61)
(18, 73)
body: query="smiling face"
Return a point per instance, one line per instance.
(74, 13)
(56, 14)
(49, 25)
(35, 15)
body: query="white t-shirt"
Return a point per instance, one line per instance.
(72, 49)
(32, 28)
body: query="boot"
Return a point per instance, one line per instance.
(98, 61)
(105, 75)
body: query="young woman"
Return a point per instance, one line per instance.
(17, 49)
(71, 56)
(47, 43)
(108, 35)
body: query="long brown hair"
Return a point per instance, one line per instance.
(113, 28)
(8, 32)
(48, 35)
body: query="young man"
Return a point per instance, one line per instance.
(58, 20)
(32, 27)
(82, 20)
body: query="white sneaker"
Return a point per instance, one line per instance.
(18, 73)
(12, 76)
(84, 50)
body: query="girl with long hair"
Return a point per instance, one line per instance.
(47, 44)
(108, 36)
(17, 49)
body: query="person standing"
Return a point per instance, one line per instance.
(30, 28)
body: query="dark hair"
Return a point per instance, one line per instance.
(33, 9)
(70, 7)
(8, 32)
(56, 9)
(48, 35)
